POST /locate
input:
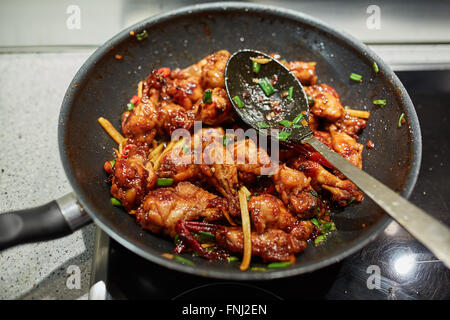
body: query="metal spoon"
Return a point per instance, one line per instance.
(256, 109)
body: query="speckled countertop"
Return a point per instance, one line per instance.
(32, 87)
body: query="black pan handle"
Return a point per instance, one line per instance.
(53, 220)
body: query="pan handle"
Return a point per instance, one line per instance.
(55, 219)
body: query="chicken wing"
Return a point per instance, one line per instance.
(164, 207)
(326, 102)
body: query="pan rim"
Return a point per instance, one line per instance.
(255, 8)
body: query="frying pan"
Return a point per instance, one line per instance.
(103, 86)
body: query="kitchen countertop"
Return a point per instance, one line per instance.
(32, 87)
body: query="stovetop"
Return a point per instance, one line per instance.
(394, 266)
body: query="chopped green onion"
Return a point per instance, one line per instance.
(318, 209)
(327, 227)
(355, 77)
(256, 66)
(286, 123)
(142, 35)
(207, 234)
(266, 86)
(238, 101)
(315, 222)
(380, 102)
(351, 200)
(314, 193)
(164, 182)
(183, 260)
(375, 67)
(130, 106)
(116, 202)
(320, 239)
(400, 120)
(263, 125)
(226, 140)
(113, 162)
(283, 135)
(257, 269)
(207, 96)
(291, 92)
(298, 118)
(310, 100)
(176, 239)
(283, 264)
(231, 259)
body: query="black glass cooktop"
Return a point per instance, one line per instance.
(407, 269)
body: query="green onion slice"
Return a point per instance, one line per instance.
(257, 269)
(256, 66)
(164, 182)
(231, 259)
(327, 227)
(298, 118)
(113, 162)
(142, 35)
(183, 260)
(356, 77)
(283, 135)
(375, 67)
(207, 96)
(282, 264)
(380, 102)
(315, 222)
(291, 92)
(320, 239)
(314, 193)
(207, 234)
(238, 101)
(286, 123)
(116, 202)
(266, 86)
(400, 120)
(130, 106)
(226, 140)
(263, 125)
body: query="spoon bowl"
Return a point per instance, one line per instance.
(261, 111)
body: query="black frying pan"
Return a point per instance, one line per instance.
(103, 86)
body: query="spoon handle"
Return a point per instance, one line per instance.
(430, 232)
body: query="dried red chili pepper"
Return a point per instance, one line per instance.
(164, 71)
(135, 100)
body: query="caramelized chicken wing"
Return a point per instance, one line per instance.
(132, 178)
(272, 245)
(342, 191)
(216, 112)
(164, 207)
(295, 191)
(346, 146)
(305, 72)
(327, 103)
